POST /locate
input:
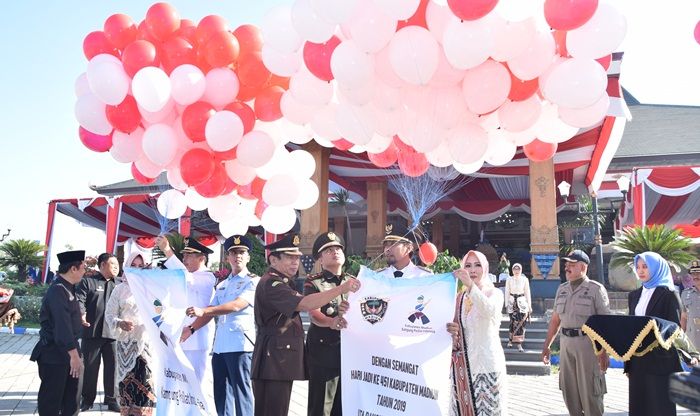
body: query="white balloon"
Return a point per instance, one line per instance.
(468, 168)
(437, 16)
(388, 123)
(309, 24)
(308, 194)
(223, 131)
(512, 38)
(378, 144)
(255, 149)
(350, 66)
(587, 116)
(159, 144)
(370, 28)
(335, 11)
(172, 204)
(302, 164)
(398, 9)
(82, 86)
(501, 150)
(196, 201)
(519, 10)
(148, 168)
(175, 179)
(468, 143)
(384, 72)
(279, 164)
(188, 84)
(236, 226)
(323, 124)
(599, 36)
(516, 116)
(238, 172)
(165, 115)
(151, 88)
(550, 128)
(225, 208)
(358, 96)
(575, 83)
(535, 58)
(440, 156)
(445, 75)
(309, 90)
(278, 220)
(280, 191)
(486, 87)
(127, 147)
(386, 98)
(450, 108)
(280, 63)
(295, 111)
(414, 55)
(90, 113)
(467, 44)
(355, 124)
(108, 81)
(222, 87)
(520, 138)
(278, 31)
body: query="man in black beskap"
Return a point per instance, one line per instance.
(93, 294)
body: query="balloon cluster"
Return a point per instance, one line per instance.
(170, 95)
(456, 82)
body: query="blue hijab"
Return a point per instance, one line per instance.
(659, 271)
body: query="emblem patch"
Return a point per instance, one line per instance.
(331, 236)
(373, 309)
(389, 228)
(236, 240)
(296, 240)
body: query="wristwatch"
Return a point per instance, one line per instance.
(191, 329)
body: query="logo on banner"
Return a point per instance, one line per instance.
(373, 309)
(418, 314)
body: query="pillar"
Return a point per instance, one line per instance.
(437, 232)
(339, 227)
(452, 223)
(544, 232)
(314, 220)
(376, 217)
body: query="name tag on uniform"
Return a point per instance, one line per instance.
(222, 288)
(100, 288)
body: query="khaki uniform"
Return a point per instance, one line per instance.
(580, 379)
(691, 306)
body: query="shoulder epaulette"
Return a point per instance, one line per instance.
(380, 270)
(252, 275)
(314, 276)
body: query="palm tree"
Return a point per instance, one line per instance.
(341, 198)
(667, 242)
(21, 254)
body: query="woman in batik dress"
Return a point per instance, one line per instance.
(518, 306)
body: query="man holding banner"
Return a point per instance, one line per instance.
(278, 358)
(398, 247)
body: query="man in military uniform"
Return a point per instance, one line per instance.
(398, 246)
(278, 358)
(233, 303)
(58, 352)
(200, 291)
(323, 337)
(690, 317)
(581, 373)
(93, 293)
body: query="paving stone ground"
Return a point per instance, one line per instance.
(529, 395)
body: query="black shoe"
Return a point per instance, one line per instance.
(85, 407)
(113, 407)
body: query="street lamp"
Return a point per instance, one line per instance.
(623, 183)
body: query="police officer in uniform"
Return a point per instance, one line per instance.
(278, 358)
(581, 373)
(235, 331)
(690, 317)
(58, 352)
(323, 337)
(398, 246)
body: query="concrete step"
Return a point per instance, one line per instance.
(527, 368)
(534, 344)
(535, 332)
(512, 354)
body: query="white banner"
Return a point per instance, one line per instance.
(396, 350)
(161, 297)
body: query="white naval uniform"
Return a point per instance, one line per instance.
(200, 292)
(409, 272)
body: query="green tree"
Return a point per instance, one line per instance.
(21, 254)
(667, 242)
(341, 198)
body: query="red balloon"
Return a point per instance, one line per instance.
(197, 166)
(137, 55)
(279, 81)
(124, 116)
(386, 158)
(208, 26)
(257, 186)
(144, 34)
(252, 72)
(246, 93)
(215, 185)
(227, 155)
(427, 253)
(221, 49)
(317, 57)
(246, 191)
(201, 59)
(260, 207)
(246, 114)
(418, 18)
(403, 147)
(522, 90)
(568, 14)
(230, 186)
(560, 43)
(140, 177)
(697, 32)
(187, 30)
(96, 43)
(194, 120)
(342, 144)
(162, 20)
(539, 151)
(120, 30)
(471, 9)
(249, 38)
(413, 164)
(605, 61)
(95, 142)
(267, 104)
(176, 51)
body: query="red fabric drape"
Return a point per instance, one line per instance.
(185, 223)
(49, 237)
(677, 177)
(112, 231)
(666, 208)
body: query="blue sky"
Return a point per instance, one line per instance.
(41, 55)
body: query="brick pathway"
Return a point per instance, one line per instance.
(529, 395)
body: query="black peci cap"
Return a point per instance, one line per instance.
(238, 241)
(288, 244)
(325, 240)
(194, 246)
(71, 256)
